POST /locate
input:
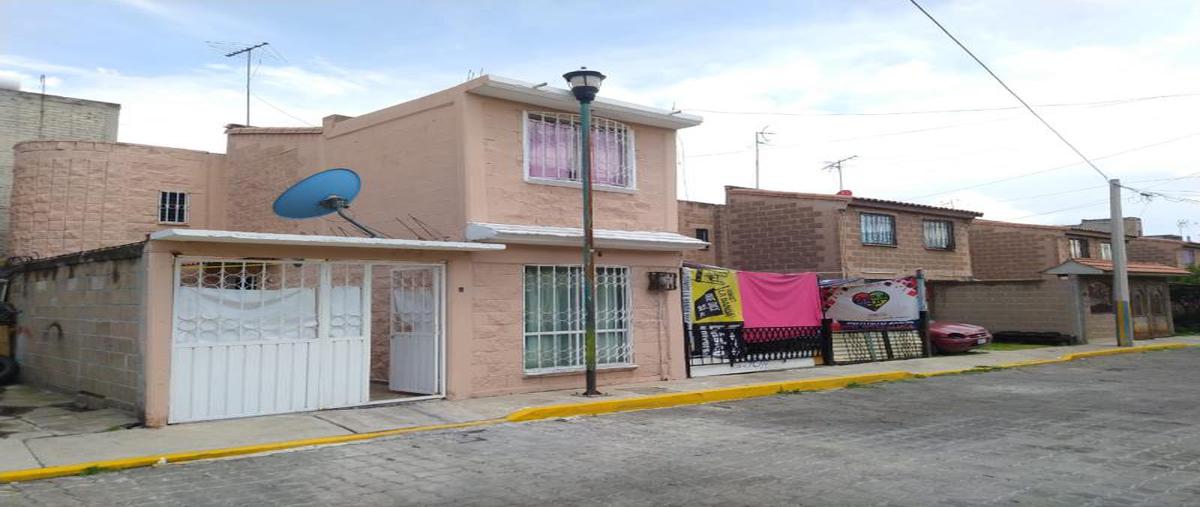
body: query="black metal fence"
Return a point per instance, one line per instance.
(1185, 307)
(710, 344)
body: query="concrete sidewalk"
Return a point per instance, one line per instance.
(54, 450)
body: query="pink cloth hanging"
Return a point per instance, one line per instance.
(779, 300)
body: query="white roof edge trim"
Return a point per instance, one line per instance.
(548, 96)
(269, 238)
(571, 236)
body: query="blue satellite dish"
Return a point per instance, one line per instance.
(318, 195)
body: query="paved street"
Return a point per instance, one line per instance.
(1121, 430)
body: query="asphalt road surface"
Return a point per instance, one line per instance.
(1121, 430)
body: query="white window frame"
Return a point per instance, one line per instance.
(629, 338)
(1106, 251)
(164, 213)
(631, 155)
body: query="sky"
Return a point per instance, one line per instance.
(873, 79)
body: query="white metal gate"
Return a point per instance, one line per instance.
(416, 355)
(265, 337)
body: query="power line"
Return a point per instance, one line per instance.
(1038, 196)
(1010, 90)
(1096, 103)
(285, 113)
(1058, 168)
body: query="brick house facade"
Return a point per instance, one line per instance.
(762, 230)
(1169, 250)
(1018, 291)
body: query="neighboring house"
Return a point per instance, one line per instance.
(1052, 279)
(28, 116)
(1165, 249)
(837, 236)
(480, 297)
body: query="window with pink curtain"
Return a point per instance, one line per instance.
(554, 149)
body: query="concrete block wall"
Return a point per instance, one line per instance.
(1159, 251)
(764, 231)
(701, 215)
(76, 195)
(28, 116)
(910, 253)
(1042, 305)
(79, 329)
(1005, 251)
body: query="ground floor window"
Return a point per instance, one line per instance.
(554, 317)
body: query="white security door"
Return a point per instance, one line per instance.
(416, 332)
(266, 337)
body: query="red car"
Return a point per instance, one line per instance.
(953, 337)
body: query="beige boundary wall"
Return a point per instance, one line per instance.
(1038, 305)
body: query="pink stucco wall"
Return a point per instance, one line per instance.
(70, 196)
(496, 128)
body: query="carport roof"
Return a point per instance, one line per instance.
(270, 238)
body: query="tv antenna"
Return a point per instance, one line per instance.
(248, 50)
(837, 166)
(760, 138)
(1183, 224)
(329, 191)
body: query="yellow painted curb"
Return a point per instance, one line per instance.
(702, 396)
(180, 457)
(1126, 350)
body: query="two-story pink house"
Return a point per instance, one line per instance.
(226, 310)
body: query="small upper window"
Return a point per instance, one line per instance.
(1106, 251)
(702, 234)
(553, 149)
(878, 229)
(1079, 248)
(172, 207)
(939, 234)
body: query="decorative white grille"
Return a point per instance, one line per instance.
(554, 317)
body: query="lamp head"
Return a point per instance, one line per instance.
(584, 83)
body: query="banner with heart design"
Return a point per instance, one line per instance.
(885, 301)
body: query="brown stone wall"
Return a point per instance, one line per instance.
(780, 233)
(1043, 305)
(910, 253)
(70, 196)
(701, 215)
(1002, 251)
(259, 168)
(79, 326)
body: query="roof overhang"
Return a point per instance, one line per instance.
(268, 238)
(1095, 267)
(573, 236)
(558, 98)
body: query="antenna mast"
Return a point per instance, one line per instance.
(760, 138)
(837, 166)
(248, 50)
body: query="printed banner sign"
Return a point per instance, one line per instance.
(715, 296)
(872, 305)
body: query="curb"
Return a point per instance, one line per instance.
(586, 408)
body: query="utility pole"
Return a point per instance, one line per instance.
(837, 166)
(760, 138)
(1120, 268)
(248, 51)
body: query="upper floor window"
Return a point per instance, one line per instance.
(878, 229)
(172, 207)
(1079, 248)
(552, 149)
(939, 234)
(1106, 251)
(702, 235)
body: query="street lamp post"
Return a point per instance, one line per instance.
(584, 85)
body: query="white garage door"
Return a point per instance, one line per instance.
(267, 337)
